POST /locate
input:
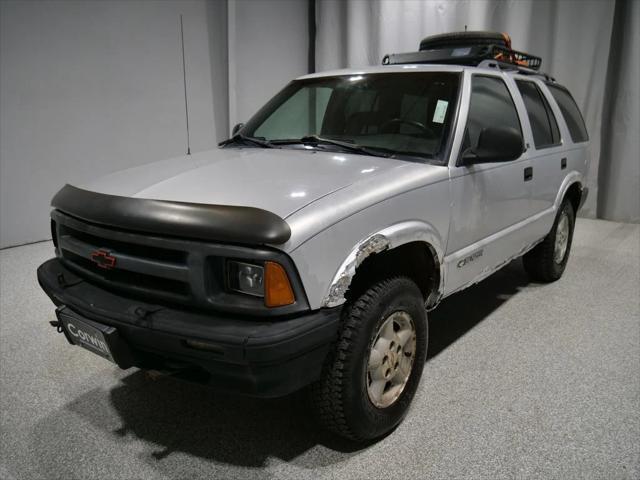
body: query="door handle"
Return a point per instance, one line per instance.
(528, 174)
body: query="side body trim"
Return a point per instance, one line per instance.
(452, 259)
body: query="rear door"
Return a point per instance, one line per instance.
(547, 153)
(575, 139)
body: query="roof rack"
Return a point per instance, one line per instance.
(511, 67)
(493, 56)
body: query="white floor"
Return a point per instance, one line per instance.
(523, 380)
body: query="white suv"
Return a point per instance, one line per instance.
(308, 248)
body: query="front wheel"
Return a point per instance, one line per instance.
(547, 260)
(372, 375)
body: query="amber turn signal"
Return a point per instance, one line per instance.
(277, 288)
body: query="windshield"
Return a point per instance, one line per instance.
(396, 114)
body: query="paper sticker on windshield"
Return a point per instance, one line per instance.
(440, 111)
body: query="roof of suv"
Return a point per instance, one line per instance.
(488, 67)
(384, 69)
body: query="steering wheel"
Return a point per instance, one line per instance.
(413, 123)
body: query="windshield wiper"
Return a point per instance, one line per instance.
(244, 139)
(315, 140)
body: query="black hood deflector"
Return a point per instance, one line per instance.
(222, 223)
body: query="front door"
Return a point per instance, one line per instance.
(491, 201)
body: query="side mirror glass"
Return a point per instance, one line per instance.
(495, 144)
(236, 129)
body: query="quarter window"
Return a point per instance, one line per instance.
(571, 113)
(543, 123)
(491, 105)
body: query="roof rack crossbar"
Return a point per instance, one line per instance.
(476, 55)
(516, 68)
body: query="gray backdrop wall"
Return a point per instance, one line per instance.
(87, 88)
(268, 46)
(90, 87)
(619, 173)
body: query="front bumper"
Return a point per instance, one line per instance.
(260, 357)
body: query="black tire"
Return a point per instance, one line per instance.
(540, 262)
(463, 39)
(340, 399)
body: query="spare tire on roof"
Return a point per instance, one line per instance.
(465, 39)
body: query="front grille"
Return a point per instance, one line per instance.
(133, 249)
(140, 268)
(128, 278)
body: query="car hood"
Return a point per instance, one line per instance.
(282, 181)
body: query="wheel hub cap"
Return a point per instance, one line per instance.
(562, 238)
(391, 359)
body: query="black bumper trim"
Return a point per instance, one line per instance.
(223, 223)
(250, 355)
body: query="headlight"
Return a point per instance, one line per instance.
(269, 281)
(246, 278)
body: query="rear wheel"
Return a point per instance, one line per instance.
(373, 373)
(547, 260)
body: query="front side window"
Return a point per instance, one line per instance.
(491, 106)
(397, 114)
(571, 113)
(543, 124)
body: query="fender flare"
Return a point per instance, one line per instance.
(387, 238)
(570, 179)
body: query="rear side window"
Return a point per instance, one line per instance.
(491, 105)
(571, 113)
(543, 123)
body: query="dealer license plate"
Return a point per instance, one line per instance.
(87, 334)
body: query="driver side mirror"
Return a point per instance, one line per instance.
(495, 144)
(237, 128)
